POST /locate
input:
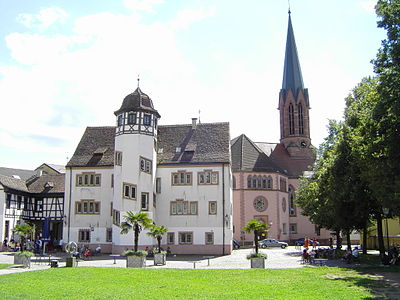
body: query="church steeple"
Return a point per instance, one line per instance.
(292, 78)
(293, 102)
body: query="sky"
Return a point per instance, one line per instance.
(68, 64)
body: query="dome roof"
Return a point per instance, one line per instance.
(137, 101)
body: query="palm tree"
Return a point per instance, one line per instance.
(257, 227)
(157, 232)
(24, 231)
(137, 222)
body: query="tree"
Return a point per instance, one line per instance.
(24, 231)
(257, 228)
(157, 232)
(137, 222)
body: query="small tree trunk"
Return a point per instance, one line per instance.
(159, 243)
(136, 241)
(365, 237)
(256, 240)
(348, 240)
(381, 244)
(338, 240)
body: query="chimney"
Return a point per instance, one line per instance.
(194, 123)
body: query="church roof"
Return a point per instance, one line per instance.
(247, 156)
(181, 144)
(137, 101)
(292, 77)
(87, 154)
(208, 143)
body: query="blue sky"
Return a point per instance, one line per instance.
(65, 65)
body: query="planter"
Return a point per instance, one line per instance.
(257, 263)
(22, 260)
(71, 262)
(134, 261)
(160, 259)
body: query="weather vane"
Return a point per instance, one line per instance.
(138, 80)
(289, 6)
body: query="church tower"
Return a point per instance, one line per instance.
(294, 104)
(134, 161)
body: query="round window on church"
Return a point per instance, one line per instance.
(284, 204)
(260, 204)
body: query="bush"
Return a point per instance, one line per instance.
(134, 253)
(25, 254)
(257, 255)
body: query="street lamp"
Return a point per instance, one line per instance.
(386, 213)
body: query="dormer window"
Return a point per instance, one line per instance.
(131, 118)
(120, 120)
(146, 120)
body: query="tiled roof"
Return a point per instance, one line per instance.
(86, 154)
(208, 143)
(23, 174)
(247, 156)
(12, 183)
(137, 101)
(46, 184)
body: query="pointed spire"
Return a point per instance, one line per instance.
(292, 78)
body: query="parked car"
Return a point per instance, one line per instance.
(235, 244)
(272, 243)
(300, 242)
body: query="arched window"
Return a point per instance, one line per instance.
(249, 182)
(254, 182)
(301, 119)
(291, 119)
(292, 207)
(259, 182)
(269, 183)
(264, 182)
(233, 182)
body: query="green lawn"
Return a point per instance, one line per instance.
(122, 283)
(3, 266)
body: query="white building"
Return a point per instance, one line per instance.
(179, 174)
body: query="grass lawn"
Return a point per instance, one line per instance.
(122, 283)
(3, 266)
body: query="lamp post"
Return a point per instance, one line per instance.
(386, 213)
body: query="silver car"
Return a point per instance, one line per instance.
(272, 243)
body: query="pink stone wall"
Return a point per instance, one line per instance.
(184, 249)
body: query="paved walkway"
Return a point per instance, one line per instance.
(277, 259)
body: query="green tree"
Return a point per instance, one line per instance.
(257, 228)
(157, 232)
(24, 231)
(136, 222)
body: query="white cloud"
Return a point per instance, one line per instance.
(369, 5)
(186, 17)
(142, 5)
(44, 19)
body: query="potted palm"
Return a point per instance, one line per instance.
(136, 222)
(23, 257)
(157, 232)
(257, 259)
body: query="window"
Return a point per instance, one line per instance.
(185, 237)
(282, 184)
(87, 207)
(249, 182)
(112, 180)
(131, 118)
(291, 119)
(259, 182)
(146, 119)
(116, 217)
(260, 203)
(293, 228)
(284, 204)
(145, 165)
(233, 182)
(292, 207)
(38, 204)
(209, 238)
(181, 178)
(158, 185)
(284, 228)
(208, 177)
(269, 183)
(171, 238)
(180, 207)
(19, 201)
(88, 179)
(8, 203)
(118, 158)
(254, 181)
(120, 120)
(84, 236)
(129, 191)
(144, 204)
(109, 235)
(264, 182)
(301, 119)
(212, 207)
